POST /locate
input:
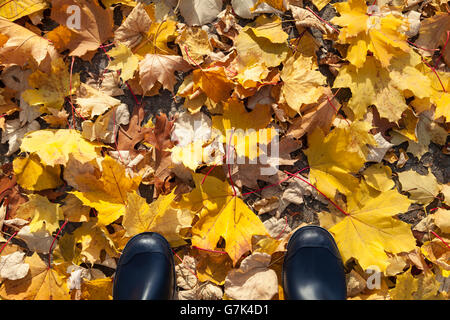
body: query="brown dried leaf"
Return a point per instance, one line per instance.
(95, 27)
(253, 279)
(161, 68)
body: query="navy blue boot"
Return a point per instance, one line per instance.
(313, 268)
(146, 270)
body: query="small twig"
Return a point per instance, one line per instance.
(209, 250)
(124, 132)
(51, 246)
(440, 238)
(181, 260)
(331, 201)
(324, 21)
(7, 241)
(228, 164)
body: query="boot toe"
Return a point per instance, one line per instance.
(145, 270)
(313, 268)
(146, 242)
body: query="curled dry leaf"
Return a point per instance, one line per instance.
(106, 126)
(40, 283)
(355, 283)
(200, 12)
(93, 102)
(304, 18)
(204, 291)
(133, 28)
(433, 33)
(39, 241)
(442, 220)
(23, 44)
(12, 266)
(185, 272)
(44, 214)
(319, 114)
(248, 9)
(253, 280)
(277, 228)
(14, 133)
(437, 252)
(377, 153)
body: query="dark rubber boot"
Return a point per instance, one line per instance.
(145, 270)
(313, 268)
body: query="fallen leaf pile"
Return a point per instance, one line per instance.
(284, 114)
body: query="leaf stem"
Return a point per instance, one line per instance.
(324, 21)
(334, 204)
(440, 238)
(9, 239)
(51, 246)
(187, 267)
(228, 164)
(209, 250)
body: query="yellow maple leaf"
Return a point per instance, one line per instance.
(214, 82)
(60, 37)
(277, 4)
(194, 44)
(124, 60)
(369, 230)
(244, 130)
(109, 195)
(93, 240)
(159, 216)
(13, 10)
(421, 188)
(302, 84)
(109, 3)
(155, 40)
(93, 102)
(333, 157)
(32, 175)
(221, 214)
(320, 4)
(97, 289)
(437, 251)
(379, 176)
(56, 146)
(423, 287)
(385, 88)
(439, 96)
(41, 283)
(261, 42)
(51, 88)
(379, 32)
(43, 213)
